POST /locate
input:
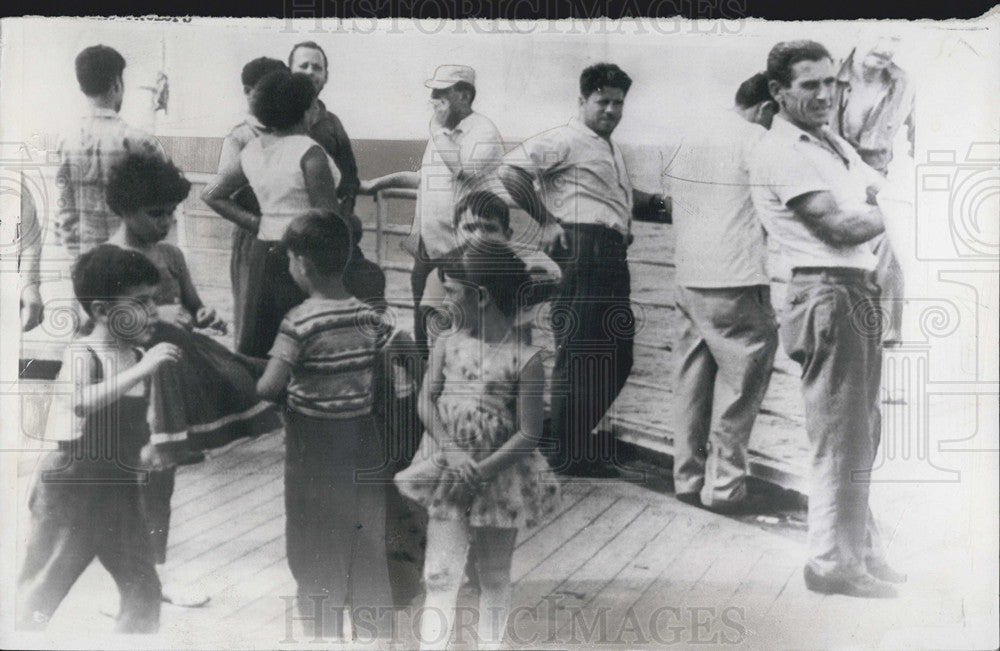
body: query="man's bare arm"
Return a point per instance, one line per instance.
(520, 185)
(834, 224)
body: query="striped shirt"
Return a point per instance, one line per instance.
(331, 346)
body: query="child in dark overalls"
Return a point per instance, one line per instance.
(85, 499)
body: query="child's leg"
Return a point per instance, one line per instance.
(447, 549)
(155, 500)
(58, 551)
(492, 550)
(125, 550)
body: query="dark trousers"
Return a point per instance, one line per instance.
(72, 522)
(271, 293)
(239, 276)
(423, 267)
(335, 523)
(593, 327)
(154, 498)
(830, 326)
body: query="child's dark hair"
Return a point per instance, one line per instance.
(603, 75)
(753, 91)
(483, 204)
(281, 99)
(97, 69)
(497, 269)
(107, 272)
(259, 68)
(321, 237)
(142, 180)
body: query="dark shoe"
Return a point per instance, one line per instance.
(884, 572)
(865, 586)
(749, 505)
(592, 470)
(691, 499)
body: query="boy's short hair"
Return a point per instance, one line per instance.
(258, 68)
(97, 69)
(140, 180)
(106, 272)
(603, 75)
(753, 91)
(321, 237)
(281, 99)
(497, 269)
(485, 205)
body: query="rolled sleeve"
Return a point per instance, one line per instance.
(541, 154)
(788, 174)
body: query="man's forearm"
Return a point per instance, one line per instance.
(852, 227)
(520, 187)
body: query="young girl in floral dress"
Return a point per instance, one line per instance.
(478, 471)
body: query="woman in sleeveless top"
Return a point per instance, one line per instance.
(290, 174)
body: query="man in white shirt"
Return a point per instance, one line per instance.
(462, 154)
(817, 199)
(727, 332)
(586, 204)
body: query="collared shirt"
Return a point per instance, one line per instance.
(329, 132)
(582, 176)
(891, 108)
(86, 157)
(238, 138)
(475, 145)
(719, 240)
(788, 163)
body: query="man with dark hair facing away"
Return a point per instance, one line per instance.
(727, 333)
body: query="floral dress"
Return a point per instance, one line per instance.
(478, 411)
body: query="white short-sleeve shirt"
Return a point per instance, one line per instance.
(582, 176)
(788, 163)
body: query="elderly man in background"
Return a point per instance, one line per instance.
(874, 102)
(818, 200)
(727, 334)
(462, 154)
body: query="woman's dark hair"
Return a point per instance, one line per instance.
(497, 269)
(281, 98)
(142, 180)
(106, 272)
(258, 68)
(786, 54)
(603, 75)
(97, 69)
(321, 237)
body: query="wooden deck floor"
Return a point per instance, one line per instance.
(621, 563)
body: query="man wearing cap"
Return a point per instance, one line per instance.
(461, 156)
(586, 206)
(818, 200)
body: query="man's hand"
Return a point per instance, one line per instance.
(554, 238)
(207, 318)
(439, 119)
(32, 308)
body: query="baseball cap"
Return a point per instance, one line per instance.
(449, 74)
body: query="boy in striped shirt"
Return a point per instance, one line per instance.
(322, 367)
